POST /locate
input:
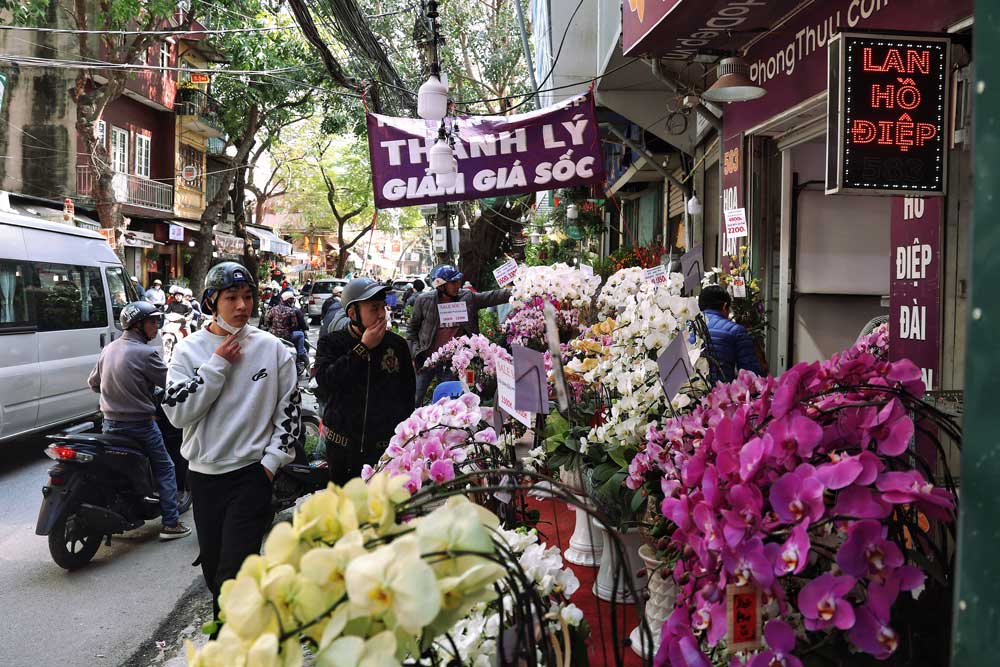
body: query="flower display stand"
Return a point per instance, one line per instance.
(662, 595)
(604, 585)
(586, 542)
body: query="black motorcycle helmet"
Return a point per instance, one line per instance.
(135, 313)
(221, 277)
(358, 290)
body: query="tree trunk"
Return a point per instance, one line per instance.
(480, 248)
(202, 261)
(342, 256)
(250, 260)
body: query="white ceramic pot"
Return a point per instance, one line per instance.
(604, 585)
(662, 596)
(585, 545)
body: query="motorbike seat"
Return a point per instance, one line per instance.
(101, 440)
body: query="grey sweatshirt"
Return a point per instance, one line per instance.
(234, 414)
(126, 375)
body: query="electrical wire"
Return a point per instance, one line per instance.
(54, 63)
(207, 31)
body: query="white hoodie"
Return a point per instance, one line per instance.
(234, 414)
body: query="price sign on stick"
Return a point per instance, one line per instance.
(656, 275)
(736, 223)
(531, 386)
(505, 273)
(506, 389)
(743, 632)
(691, 268)
(675, 366)
(738, 286)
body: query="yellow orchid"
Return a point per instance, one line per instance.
(395, 582)
(325, 516)
(264, 653)
(376, 500)
(458, 525)
(379, 651)
(460, 594)
(283, 546)
(226, 651)
(245, 609)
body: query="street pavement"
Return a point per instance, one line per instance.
(131, 606)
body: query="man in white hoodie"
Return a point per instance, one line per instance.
(234, 390)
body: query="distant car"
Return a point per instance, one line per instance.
(320, 292)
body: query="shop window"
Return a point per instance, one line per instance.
(68, 297)
(165, 55)
(15, 311)
(119, 149)
(142, 151)
(192, 157)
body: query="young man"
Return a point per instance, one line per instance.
(365, 378)
(731, 347)
(127, 373)
(234, 390)
(425, 334)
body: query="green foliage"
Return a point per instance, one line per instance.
(489, 326)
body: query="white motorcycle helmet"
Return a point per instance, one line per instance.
(175, 289)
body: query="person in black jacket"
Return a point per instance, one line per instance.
(365, 379)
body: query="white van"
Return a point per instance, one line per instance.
(61, 291)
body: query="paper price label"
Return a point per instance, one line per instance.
(656, 275)
(505, 273)
(738, 287)
(451, 314)
(736, 223)
(506, 391)
(587, 269)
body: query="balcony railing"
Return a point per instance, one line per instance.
(129, 189)
(198, 113)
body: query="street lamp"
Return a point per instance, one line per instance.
(734, 83)
(432, 98)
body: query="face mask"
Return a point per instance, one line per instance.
(226, 326)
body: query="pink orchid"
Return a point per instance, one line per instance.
(794, 434)
(890, 427)
(861, 502)
(866, 551)
(844, 470)
(792, 556)
(747, 562)
(487, 435)
(900, 488)
(442, 471)
(798, 496)
(780, 640)
(822, 602)
(739, 521)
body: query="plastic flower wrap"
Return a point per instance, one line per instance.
(526, 325)
(619, 290)
(650, 319)
(561, 283)
(465, 352)
(475, 635)
(805, 487)
(357, 586)
(433, 443)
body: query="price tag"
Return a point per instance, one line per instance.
(674, 366)
(506, 391)
(451, 314)
(738, 287)
(586, 269)
(736, 223)
(743, 622)
(656, 275)
(505, 273)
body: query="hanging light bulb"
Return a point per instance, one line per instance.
(440, 156)
(694, 205)
(572, 213)
(447, 180)
(432, 98)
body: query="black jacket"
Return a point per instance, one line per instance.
(367, 392)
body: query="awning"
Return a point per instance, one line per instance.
(269, 242)
(191, 226)
(679, 29)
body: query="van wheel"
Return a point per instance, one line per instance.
(69, 548)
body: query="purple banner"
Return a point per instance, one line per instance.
(791, 62)
(915, 295)
(551, 148)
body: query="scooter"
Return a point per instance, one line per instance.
(101, 485)
(175, 327)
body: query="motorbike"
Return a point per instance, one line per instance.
(102, 484)
(175, 327)
(304, 367)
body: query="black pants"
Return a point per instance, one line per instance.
(232, 512)
(345, 461)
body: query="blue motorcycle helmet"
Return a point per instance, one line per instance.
(446, 273)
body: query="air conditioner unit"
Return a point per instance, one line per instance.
(439, 239)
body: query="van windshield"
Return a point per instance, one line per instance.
(121, 290)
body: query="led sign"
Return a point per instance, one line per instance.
(886, 120)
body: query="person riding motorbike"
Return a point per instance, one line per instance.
(285, 321)
(333, 313)
(196, 313)
(234, 390)
(175, 301)
(127, 373)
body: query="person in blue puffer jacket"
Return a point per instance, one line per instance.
(731, 346)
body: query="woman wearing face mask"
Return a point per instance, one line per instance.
(365, 378)
(234, 390)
